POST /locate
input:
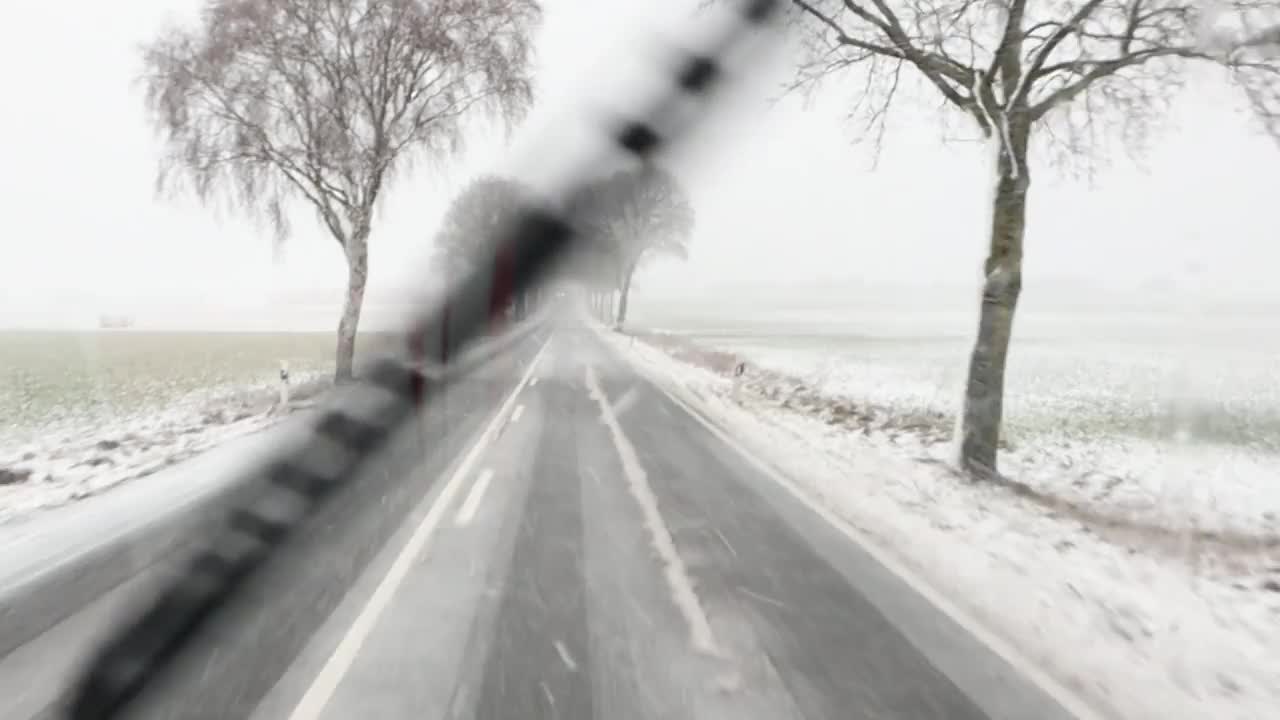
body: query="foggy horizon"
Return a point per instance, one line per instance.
(88, 235)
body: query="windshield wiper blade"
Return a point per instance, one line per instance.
(346, 436)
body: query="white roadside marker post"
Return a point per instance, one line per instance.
(284, 386)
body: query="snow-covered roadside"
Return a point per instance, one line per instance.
(1136, 629)
(71, 463)
(1073, 433)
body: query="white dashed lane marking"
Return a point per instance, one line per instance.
(472, 503)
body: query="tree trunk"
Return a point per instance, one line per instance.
(624, 291)
(981, 417)
(357, 251)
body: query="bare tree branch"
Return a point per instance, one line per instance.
(994, 61)
(892, 41)
(326, 99)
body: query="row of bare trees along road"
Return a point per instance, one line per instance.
(285, 108)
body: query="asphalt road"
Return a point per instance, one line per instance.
(562, 539)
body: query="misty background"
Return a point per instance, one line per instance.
(794, 218)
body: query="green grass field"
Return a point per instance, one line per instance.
(48, 379)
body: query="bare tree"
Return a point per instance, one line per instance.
(475, 216)
(592, 267)
(1066, 69)
(324, 101)
(633, 215)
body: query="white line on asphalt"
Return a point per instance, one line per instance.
(725, 540)
(321, 690)
(533, 382)
(625, 401)
(761, 597)
(515, 416)
(676, 573)
(472, 503)
(1065, 697)
(565, 657)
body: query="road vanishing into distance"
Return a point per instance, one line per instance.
(557, 537)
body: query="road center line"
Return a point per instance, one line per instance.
(676, 573)
(326, 682)
(472, 503)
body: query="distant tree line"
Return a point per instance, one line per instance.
(621, 220)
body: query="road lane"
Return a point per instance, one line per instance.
(412, 662)
(282, 609)
(1001, 682)
(532, 666)
(836, 653)
(258, 637)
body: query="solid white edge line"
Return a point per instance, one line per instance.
(1070, 701)
(317, 696)
(472, 503)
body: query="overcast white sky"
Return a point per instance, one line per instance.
(787, 200)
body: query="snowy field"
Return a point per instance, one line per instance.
(83, 411)
(1134, 552)
(1162, 419)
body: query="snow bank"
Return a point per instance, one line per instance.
(73, 462)
(1141, 622)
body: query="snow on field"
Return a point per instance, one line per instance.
(70, 461)
(1141, 436)
(1141, 621)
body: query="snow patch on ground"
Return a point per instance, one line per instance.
(68, 463)
(1127, 597)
